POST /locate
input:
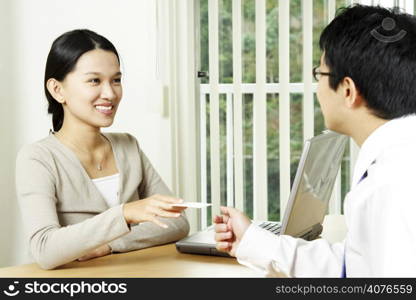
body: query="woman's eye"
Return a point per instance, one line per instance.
(94, 80)
(117, 80)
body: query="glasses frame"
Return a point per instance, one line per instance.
(315, 73)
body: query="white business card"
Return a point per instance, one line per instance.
(192, 204)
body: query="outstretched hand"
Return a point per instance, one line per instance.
(151, 208)
(229, 229)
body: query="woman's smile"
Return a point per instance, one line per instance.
(106, 109)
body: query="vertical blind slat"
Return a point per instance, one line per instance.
(353, 147)
(353, 157)
(331, 10)
(308, 103)
(260, 118)
(238, 108)
(335, 202)
(203, 140)
(284, 103)
(214, 105)
(230, 151)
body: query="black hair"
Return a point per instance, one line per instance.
(62, 58)
(376, 48)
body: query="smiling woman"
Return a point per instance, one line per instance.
(83, 91)
(84, 193)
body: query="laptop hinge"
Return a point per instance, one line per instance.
(313, 233)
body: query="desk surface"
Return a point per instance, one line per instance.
(161, 261)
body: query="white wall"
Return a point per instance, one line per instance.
(7, 128)
(27, 30)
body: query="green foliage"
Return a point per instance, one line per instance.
(272, 76)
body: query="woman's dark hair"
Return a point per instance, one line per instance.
(62, 58)
(376, 47)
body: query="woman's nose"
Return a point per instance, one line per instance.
(108, 92)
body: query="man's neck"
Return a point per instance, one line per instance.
(363, 127)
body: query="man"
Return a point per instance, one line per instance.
(366, 90)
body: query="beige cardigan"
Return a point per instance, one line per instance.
(64, 214)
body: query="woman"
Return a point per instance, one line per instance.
(79, 188)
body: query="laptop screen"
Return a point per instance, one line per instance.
(314, 182)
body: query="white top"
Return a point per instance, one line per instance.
(379, 212)
(108, 187)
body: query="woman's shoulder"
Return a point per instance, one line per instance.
(123, 139)
(36, 149)
(40, 151)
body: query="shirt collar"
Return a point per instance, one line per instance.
(384, 136)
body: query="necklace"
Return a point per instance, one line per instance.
(99, 166)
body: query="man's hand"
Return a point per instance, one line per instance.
(100, 251)
(229, 229)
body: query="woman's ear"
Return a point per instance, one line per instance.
(352, 96)
(55, 89)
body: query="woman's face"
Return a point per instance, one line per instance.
(92, 91)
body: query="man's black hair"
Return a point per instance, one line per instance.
(376, 48)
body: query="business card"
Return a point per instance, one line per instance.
(192, 204)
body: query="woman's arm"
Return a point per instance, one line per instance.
(51, 244)
(149, 234)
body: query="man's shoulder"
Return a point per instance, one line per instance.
(403, 151)
(397, 164)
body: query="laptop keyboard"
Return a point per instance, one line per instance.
(271, 226)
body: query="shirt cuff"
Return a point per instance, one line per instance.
(258, 250)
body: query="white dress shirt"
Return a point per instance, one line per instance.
(380, 213)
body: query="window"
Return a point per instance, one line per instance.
(258, 101)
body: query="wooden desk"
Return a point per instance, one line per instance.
(161, 261)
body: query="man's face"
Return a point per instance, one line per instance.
(331, 101)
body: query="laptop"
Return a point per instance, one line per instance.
(308, 200)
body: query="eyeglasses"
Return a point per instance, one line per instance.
(317, 75)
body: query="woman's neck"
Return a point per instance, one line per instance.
(85, 137)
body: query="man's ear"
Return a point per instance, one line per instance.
(352, 96)
(55, 89)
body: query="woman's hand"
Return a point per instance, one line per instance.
(100, 251)
(147, 210)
